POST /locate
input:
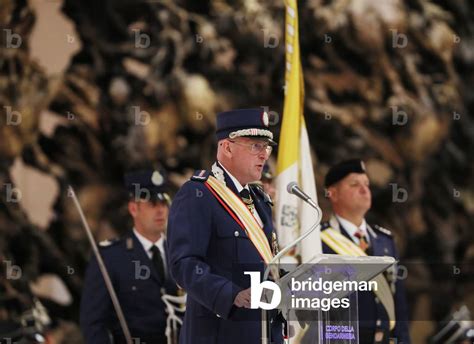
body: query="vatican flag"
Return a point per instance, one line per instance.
(293, 216)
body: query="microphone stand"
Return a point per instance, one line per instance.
(317, 225)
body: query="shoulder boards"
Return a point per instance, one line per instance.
(108, 243)
(325, 225)
(382, 230)
(258, 189)
(200, 175)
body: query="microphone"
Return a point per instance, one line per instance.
(294, 189)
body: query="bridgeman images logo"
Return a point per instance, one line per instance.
(256, 291)
(305, 294)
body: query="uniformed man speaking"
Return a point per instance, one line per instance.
(382, 314)
(221, 226)
(137, 268)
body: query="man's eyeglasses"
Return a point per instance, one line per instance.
(256, 147)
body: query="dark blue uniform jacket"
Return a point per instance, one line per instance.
(138, 288)
(209, 253)
(372, 314)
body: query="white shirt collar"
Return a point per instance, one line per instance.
(234, 180)
(239, 188)
(147, 244)
(351, 228)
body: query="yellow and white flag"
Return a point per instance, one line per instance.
(294, 164)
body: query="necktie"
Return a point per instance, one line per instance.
(158, 262)
(363, 243)
(245, 195)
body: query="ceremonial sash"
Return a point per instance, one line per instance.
(342, 245)
(242, 215)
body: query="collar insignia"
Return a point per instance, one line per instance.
(218, 173)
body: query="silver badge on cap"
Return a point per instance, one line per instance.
(362, 165)
(157, 178)
(265, 119)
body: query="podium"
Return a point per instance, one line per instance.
(320, 296)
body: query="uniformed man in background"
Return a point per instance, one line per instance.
(348, 190)
(138, 269)
(220, 226)
(268, 182)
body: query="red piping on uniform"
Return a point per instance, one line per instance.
(225, 206)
